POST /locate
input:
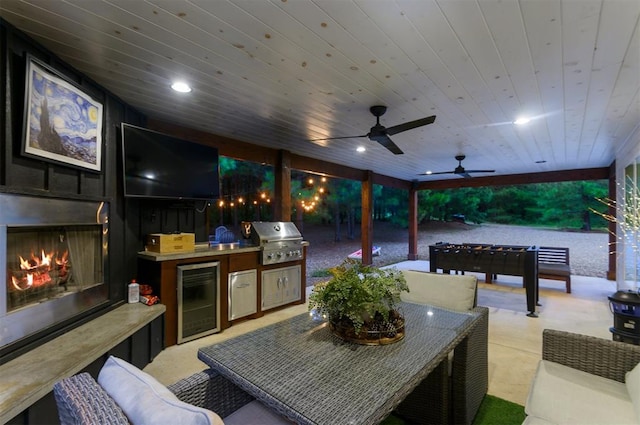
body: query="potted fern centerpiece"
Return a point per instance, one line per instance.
(360, 303)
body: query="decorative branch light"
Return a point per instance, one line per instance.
(627, 215)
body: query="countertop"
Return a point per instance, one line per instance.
(202, 250)
(29, 377)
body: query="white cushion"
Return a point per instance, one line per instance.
(146, 401)
(562, 395)
(254, 413)
(632, 380)
(533, 420)
(453, 292)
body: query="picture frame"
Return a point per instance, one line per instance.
(62, 123)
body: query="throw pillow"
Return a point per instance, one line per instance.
(145, 400)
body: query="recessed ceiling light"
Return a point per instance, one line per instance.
(181, 87)
(428, 173)
(360, 149)
(522, 120)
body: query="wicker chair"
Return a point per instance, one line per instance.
(582, 353)
(597, 356)
(468, 381)
(81, 400)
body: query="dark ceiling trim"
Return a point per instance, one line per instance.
(601, 173)
(263, 155)
(237, 149)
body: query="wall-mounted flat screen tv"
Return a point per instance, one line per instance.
(160, 166)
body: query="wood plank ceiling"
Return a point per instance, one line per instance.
(279, 73)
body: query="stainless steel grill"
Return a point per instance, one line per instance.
(281, 241)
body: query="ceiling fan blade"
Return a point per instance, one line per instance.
(385, 141)
(439, 172)
(410, 125)
(336, 138)
(481, 171)
(465, 174)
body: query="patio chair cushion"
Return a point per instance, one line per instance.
(144, 400)
(254, 413)
(453, 292)
(632, 380)
(563, 395)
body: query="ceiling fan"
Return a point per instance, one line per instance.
(459, 170)
(379, 133)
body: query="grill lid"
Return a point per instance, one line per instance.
(265, 232)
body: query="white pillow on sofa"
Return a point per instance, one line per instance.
(632, 380)
(453, 292)
(145, 400)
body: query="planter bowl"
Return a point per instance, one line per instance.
(346, 332)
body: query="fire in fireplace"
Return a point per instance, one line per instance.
(40, 266)
(53, 253)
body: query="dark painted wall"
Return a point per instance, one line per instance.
(130, 219)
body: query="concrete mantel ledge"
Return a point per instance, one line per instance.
(27, 378)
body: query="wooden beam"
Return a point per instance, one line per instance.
(413, 224)
(231, 148)
(329, 169)
(244, 151)
(282, 201)
(513, 179)
(366, 226)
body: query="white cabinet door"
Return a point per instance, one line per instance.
(271, 289)
(280, 286)
(291, 284)
(243, 293)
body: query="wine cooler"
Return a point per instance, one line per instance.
(198, 300)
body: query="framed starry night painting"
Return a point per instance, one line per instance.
(62, 123)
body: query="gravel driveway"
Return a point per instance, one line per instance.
(588, 250)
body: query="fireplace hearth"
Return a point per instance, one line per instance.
(53, 254)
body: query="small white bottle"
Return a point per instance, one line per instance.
(134, 292)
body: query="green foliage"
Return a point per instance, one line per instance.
(321, 273)
(572, 205)
(358, 291)
(432, 204)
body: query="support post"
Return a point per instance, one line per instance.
(413, 223)
(367, 217)
(611, 273)
(282, 201)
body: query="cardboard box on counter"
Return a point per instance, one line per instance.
(166, 243)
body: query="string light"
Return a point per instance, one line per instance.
(236, 201)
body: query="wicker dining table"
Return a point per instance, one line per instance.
(301, 370)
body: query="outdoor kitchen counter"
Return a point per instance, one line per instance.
(202, 250)
(159, 270)
(29, 377)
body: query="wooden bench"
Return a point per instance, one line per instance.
(553, 263)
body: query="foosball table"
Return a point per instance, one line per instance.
(492, 260)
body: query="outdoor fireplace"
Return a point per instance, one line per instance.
(53, 254)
